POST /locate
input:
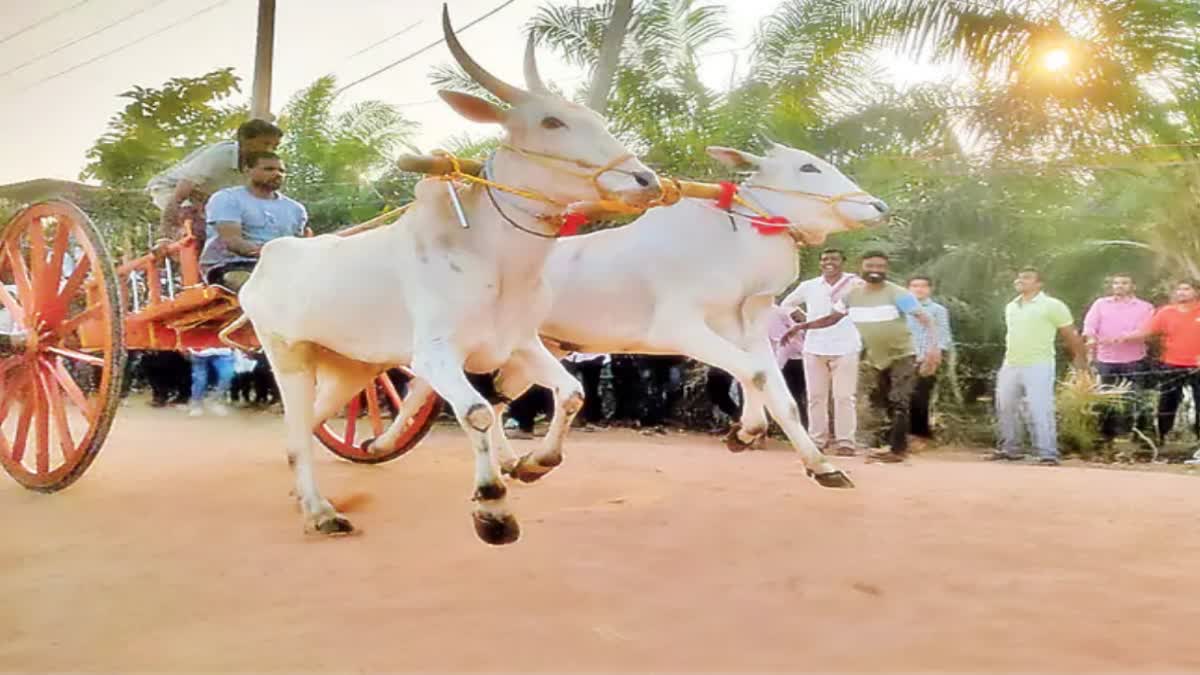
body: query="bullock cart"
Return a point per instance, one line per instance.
(68, 318)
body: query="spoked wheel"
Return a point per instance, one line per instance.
(370, 413)
(62, 355)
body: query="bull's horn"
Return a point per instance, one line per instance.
(502, 91)
(532, 79)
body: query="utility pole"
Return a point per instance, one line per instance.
(260, 102)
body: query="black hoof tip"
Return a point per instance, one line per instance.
(335, 526)
(832, 479)
(365, 446)
(496, 531)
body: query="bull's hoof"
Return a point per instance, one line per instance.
(496, 531)
(335, 526)
(528, 470)
(365, 446)
(831, 479)
(735, 444)
(510, 469)
(732, 442)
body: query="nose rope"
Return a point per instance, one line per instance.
(592, 177)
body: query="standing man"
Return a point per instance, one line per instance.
(243, 219)
(878, 309)
(587, 368)
(218, 360)
(921, 288)
(1032, 319)
(789, 356)
(1179, 326)
(1107, 320)
(830, 355)
(184, 189)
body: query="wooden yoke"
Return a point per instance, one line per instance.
(673, 189)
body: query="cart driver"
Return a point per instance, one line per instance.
(182, 190)
(242, 219)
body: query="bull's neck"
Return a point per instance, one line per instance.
(763, 199)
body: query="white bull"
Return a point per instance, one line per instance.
(428, 292)
(695, 280)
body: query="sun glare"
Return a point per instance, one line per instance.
(1055, 60)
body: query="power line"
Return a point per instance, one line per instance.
(424, 49)
(123, 47)
(76, 41)
(397, 34)
(43, 21)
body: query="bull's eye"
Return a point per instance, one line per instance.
(809, 168)
(552, 123)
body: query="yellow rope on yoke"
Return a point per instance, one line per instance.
(456, 172)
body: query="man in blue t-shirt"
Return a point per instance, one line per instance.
(242, 219)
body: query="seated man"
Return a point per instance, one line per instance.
(182, 190)
(242, 219)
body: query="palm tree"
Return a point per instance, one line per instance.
(333, 157)
(664, 37)
(1054, 78)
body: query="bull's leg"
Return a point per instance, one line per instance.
(786, 412)
(538, 364)
(511, 383)
(699, 341)
(442, 367)
(296, 373)
(419, 392)
(759, 377)
(500, 445)
(753, 423)
(339, 380)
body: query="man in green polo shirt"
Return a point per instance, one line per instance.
(1032, 319)
(878, 308)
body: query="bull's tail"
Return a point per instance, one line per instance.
(230, 329)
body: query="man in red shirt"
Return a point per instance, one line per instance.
(1179, 326)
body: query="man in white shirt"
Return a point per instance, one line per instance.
(830, 355)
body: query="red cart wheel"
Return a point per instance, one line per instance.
(369, 413)
(62, 355)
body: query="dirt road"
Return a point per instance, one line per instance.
(180, 551)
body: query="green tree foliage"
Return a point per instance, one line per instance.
(155, 129)
(335, 159)
(159, 126)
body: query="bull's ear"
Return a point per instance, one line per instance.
(472, 107)
(736, 159)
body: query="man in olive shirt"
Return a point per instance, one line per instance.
(878, 308)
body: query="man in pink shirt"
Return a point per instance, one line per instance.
(789, 354)
(1108, 319)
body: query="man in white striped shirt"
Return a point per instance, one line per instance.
(830, 355)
